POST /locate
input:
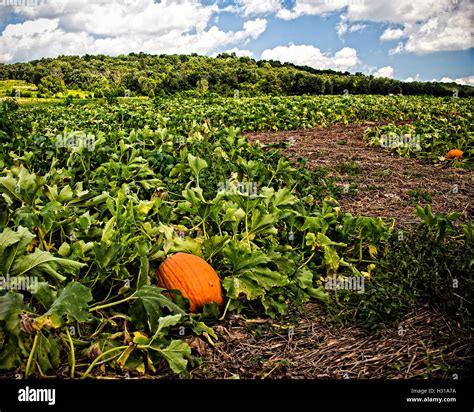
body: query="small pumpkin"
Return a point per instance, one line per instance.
(454, 153)
(193, 277)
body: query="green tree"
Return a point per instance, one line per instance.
(203, 86)
(51, 85)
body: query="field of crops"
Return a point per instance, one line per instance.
(440, 124)
(94, 196)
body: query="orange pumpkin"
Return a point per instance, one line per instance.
(454, 153)
(193, 276)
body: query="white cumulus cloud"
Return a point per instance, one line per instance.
(343, 28)
(410, 79)
(254, 7)
(467, 81)
(391, 34)
(428, 25)
(119, 27)
(313, 7)
(307, 55)
(238, 52)
(386, 71)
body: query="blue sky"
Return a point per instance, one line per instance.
(404, 39)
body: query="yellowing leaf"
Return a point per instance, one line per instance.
(373, 251)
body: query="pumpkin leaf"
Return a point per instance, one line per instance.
(319, 293)
(263, 224)
(238, 286)
(214, 245)
(304, 278)
(11, 306)
(166, 322)
(72, 302)
(47, 352)
(44, 294)
(149, 304)
(39, 263)
(12, 244)
(10, 355)
(175, 354)
(196, 164)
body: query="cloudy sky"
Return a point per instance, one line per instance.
(403, 39)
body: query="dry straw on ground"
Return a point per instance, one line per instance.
(426, 344)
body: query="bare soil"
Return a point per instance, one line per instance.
(378, 183)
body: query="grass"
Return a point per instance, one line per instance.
(419, 196)
(350, 168)
(6, 86)
(25, 101)
(79, 94)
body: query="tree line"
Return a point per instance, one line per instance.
(140, 74)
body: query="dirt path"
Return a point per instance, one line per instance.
(377, 183)
(425, 344)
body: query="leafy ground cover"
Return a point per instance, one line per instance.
(94, 197)
(429, 126)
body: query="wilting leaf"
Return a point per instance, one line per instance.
(47, 352)
(10, 355)
(304, 278)
(166, 322)
(319, 293)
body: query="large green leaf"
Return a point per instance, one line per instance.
(149, 305)
(214, 245)
(240, 258)
(12, 244)
(10, 356)
(11, 306)
(166, 322)
(175, 354)
(263, 224)
(253, 282)
(23, 186)
(71, 302)
(14, 261)
(40, 263)
(44, 294)
(196, 164)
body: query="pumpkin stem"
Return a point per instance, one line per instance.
(225, 310)
(108, 305)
